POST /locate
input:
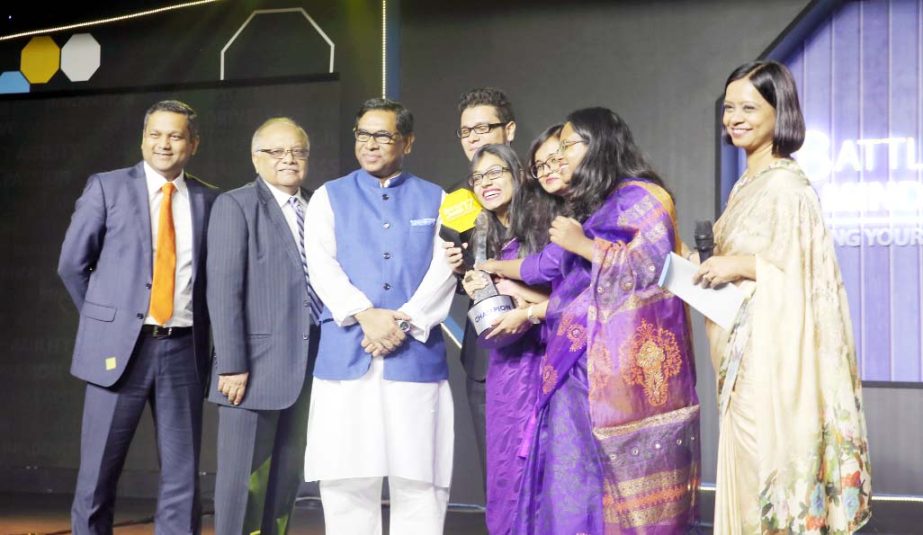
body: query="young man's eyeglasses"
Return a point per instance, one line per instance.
(479, 129)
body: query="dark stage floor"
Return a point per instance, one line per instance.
(48, 514)
(41, 514)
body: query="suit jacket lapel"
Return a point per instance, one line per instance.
(285, 232)
(197, 205)
(143, 210)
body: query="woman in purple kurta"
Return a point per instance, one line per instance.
(513, 371)
(614, 444)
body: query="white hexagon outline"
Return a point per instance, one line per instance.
(273, 12)
(71, 38)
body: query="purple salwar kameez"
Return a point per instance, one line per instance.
(512, 389)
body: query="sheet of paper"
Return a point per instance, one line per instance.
(719, 305)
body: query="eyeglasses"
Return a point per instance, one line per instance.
(482, 128)
(476, 179)
(381, 137)
(566, 144)
(278, 154)
(543, 169)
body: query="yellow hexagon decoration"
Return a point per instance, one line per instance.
(41, 58)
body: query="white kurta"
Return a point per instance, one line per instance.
(372, 427)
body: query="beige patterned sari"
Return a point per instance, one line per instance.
(792, 453)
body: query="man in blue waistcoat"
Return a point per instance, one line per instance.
(381, 404)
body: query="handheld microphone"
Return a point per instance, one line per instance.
(704, 240)
(458, 212)
(462, 217)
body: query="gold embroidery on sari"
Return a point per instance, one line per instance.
(549, 378)
(679, 415)
(648, 500)
(650, 358)
(599, 362)
(574, 330)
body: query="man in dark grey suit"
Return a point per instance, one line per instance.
(264, 324)
(132, 261)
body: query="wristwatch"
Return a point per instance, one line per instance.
(530, 315)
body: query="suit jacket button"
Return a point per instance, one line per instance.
(139, 316)
(304, 336)
(386, 286)
(148, 286)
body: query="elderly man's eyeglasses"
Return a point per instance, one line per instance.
(381, 137)
(543, 169)
(477, 179)
(479, 129)
(278, 154)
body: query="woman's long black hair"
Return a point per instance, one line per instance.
(533, 209)
(611, 158)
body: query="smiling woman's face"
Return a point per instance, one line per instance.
(497, 193)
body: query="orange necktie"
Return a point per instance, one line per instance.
(164, 260)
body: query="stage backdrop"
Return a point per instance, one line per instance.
(860, 82)
(50, 145)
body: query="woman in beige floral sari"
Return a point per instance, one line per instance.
(792, 453)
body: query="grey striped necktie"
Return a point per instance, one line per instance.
(313, 301)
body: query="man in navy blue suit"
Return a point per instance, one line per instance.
(133, 261)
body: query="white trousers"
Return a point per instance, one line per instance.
(353, 506)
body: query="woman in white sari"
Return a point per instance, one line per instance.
(792, 453)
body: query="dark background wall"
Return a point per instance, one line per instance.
(53, 138)
(661, 64)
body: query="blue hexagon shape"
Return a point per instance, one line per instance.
(13, 82)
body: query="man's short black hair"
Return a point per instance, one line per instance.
(404, 117)
(488, 96)
(176, 106)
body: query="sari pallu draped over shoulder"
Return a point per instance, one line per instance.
(794, 342)
(636, 340)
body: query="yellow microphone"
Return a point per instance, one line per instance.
(458, 212)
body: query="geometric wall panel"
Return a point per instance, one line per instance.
(40, 59)
(13, 82)
(80, 57)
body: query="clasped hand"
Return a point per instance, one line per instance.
(382, 335)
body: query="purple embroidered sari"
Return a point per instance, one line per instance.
(615, 444)
(512, 390)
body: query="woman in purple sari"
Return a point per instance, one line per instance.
(499, 183)
(614, 443)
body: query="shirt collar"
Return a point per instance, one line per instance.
(281, 196)
(392, 182)
(155, 181)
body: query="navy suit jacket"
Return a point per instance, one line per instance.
(106, 264)
(258, 299)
